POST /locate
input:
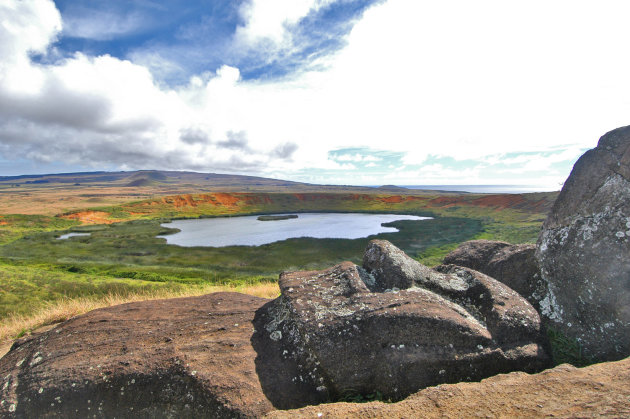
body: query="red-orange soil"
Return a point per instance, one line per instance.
(90, 217)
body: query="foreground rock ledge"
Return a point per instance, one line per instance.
(200, 357)
(195, 357)
(601, 390)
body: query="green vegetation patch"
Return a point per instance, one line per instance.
(566, 350)
(15, 226)
(125, 255)
(24, 288)
(276, 217)
(130, 254)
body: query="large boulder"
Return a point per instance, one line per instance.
(584, 251)
(395, 326)
(185, 357)
(512, 264)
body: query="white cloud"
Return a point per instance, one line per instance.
(159, 66)
(543, 161)
(356, 158)
(106, 111)
(25, 28)
(333, 165)
(453, 78)
(270, 19)
(102, 25)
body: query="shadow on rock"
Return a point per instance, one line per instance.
(282, 381)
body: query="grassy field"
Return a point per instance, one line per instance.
(128, 257)
(15, 226)
(122, 259)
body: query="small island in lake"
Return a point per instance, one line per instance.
(276, 217)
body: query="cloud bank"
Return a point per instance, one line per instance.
(422, 92)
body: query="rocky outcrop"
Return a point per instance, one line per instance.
(202, 357)
(601, 390)
(231, 355)
(392, 326)
(186, 357)
(512, 264)
(395, 326)
(584, 251)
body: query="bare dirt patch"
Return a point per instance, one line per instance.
(90, 217)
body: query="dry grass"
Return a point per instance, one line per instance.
(61, 310)
(52, 200)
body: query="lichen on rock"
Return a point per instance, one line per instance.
(583, 251)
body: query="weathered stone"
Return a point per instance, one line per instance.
(512, 264)
(391, 266)
(448, 326)
(584, 251)
(186, 357)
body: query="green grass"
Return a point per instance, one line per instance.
(434, 255)
(24, 288)
(566, 350)
(127, 257)
(132, 250)
(15, 226)
(124, 256)
(512, 232)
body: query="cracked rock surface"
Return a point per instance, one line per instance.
(584, 251)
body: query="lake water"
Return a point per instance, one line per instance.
(249, 231)
(68, 235)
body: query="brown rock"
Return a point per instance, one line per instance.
(476, 254)
(166, 358)
(444, 327)
(583, 251)
(391, 267)
(512, 264)
(601, 390)
(201, 357)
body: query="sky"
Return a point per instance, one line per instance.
(405, 92)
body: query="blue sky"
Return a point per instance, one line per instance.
(325, 91)
(178, 40)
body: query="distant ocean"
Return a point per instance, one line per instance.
(486, 188)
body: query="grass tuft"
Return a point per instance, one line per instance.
(565, 350)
